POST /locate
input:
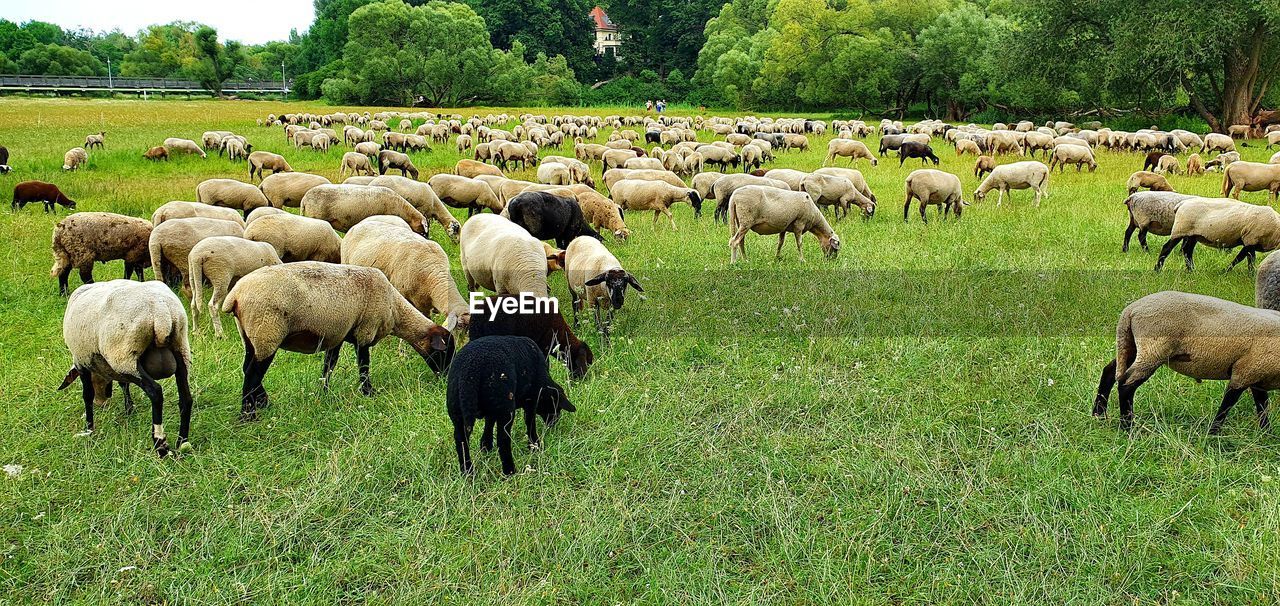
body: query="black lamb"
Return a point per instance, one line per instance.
(489, 379)
(550, 217)
(915, 149)
(548, 329)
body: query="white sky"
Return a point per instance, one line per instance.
(249, 21)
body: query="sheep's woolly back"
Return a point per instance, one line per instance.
(109, 325)
(343, 206)
(418, 268)
(231, 194)
(296, 238)
(84, 238)
(501, 256)
(934, 186)
(173, 240)
(421, 196)
(769, 210)
(1212, 338)
(185, 210)
(287, 189)
(635, 194)
(614, 175)
(1155, 210)
(1226, 223)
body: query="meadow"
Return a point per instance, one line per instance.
(906, 424)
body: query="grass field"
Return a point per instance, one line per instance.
(906, 424)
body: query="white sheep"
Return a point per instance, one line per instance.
(171, 242)
(596, 278)
(343, 206)
(1251, 176)
(769, 210)
(186, 146)
(74, 158)
(222, 260)
(1028, 174)
(179, 209)
(229, 193)
(933, 187)
(1222, 223)
(657, 196)
(418, 268)
(501, 256)
(287, 189)
(423, 197)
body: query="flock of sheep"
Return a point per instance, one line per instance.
(291, 282)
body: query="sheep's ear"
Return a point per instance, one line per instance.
(451, 322)
(633, 282)
(72, 375)
(598, 279)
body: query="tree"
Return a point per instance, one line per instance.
(662, 35)
(162, 51)
(55, 60)
(216, 62)
(956, 58)
(543, 26)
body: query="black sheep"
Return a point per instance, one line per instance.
(489, 379)
(550, 217)
(914, 149)
(653, 136)
(1153, 160)
(549, 330)
(4, 160)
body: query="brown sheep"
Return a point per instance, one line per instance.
(82, 239)
(261, 160)
(39, 191)
(157, 154)
(984, 165)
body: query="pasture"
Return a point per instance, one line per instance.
(906, 424)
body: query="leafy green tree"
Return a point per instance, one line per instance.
(544, 26)
(216, 62)
(323, 43)
(957, 53)
(662, 35)
(162, 51)
(56, 60)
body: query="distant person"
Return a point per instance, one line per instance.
(648, 105)
(662, 105)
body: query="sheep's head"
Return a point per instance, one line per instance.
(436, 347)
(579, 359)
(696, 201)
(551, 402)
(615, 282)
(555, 259)
(622, 234)
(831, 248)
(455, 230)
(868, 207)
(979, 195)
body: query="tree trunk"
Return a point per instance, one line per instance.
(955, 113)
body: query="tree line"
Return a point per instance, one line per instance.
(979, 60)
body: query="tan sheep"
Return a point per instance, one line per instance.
(296, 238)
(1079, 155)
(1151, 211)
(984, 166)
(460, 192)
(355, 163)
(287, 189)
(848, 148)
(98, 140)
(423, 197)
(472, 169)
(702, 183)
(394, 160)
(186, 210)
(156, 154)
(259, 213)
(967, 146)
(602, 213)
(1218, 142)
(838, 192)
(769, 210)
(657, 196)
(934, 187)
(617, 158)
(309, 307)
(85, 238)
(501, 256)
(617, 174)
(643, 164)
(1028, 174)
(853, 175)
(186, 146)
(1222, 223)
(595, 277)
(1148, 180)
(417, 268)
(260, 161)
(229, 193)
(722, 190)
(1251, 176)
(554, 173)
(74, 158)
(1167, 165)
(171, 243)
(1195, 166)
(343, 206)
(223, 260)
(368, 148)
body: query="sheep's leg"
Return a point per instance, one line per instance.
(180, 377)
(128, 397)
(330, 361)
(1229, 399)
(461, 443)
(86, 391)
(1244, 254)
(923, 207)
(362, 358)
(62, 280)
(1164, 252)
(1105, 385)
(906, 208)
(1261, 406)
(1142, 239)
(1000, 197)
(504, 443)
(531, 427)
(86, 274)
(486, 438)
(1128, 232)
(799, 249)
(667, 212)
(782, 238)
(252, 395)
(156, 394)
(1188, 249)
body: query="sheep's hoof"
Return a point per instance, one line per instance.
(186, 447)
(248, 416)
(534, 446)
(162, 448)
(486, 448)
(84, 434)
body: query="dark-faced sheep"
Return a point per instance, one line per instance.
(547, 328)
(39, 191)
(83, 239)
(550, 217)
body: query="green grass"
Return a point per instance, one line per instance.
(907, 424)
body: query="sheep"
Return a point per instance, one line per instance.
(422, 197)
(417, 268)
(848, 148)
(596, 278)
(931, 186)
(967, 146)
(601, 213)
(719, 156)
(462, 192)
(39, 191)
(261, 160)
(309, 307)
(795, 141)
(368, 148)
(171, 242)
(490, 379)
(259, 213)
(658, 196)
(472, 169)
(1149, 180)
(296, 238)
(853, 175)
(1028, 174)
(723, 189)
(983, 166)
(617, 158)
(509, 151)
(1151, 211)
(579, 171)
(1037, 141)
(343, 206)
(838, 192)
(769, 210)
(236, 147)
(287, 189)
(393, 160)
(74, 158)
(915, 149)
(702, 183)
(185, 210)
(554, 173)
(501, 256)
(1201, 337)
(132, 333)
(1222, 223)
(548, 329)
(464, 143)
(156, 154)
(1079, 155)
(1167, 165)
(82, 239)
(1218, 142)
(1275, 158)
(1251, 176)
(1195, 166)
(547, 216)
(1222, 161)
(355, 163)
(223, 260)
(1238, 131)
(229, 193)
(99, 140)
(618, 174)
(1273, 138)
(186, 146)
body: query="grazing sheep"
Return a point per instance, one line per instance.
(617, 158)
(967, 146)
(490, 379)
(1079, 155)
(983, 166)
(74, 158)
(186, 146)
(223, 260)
(259, 213)
(83, 239)
(547, 328)
(368, 148)
(309, 307)
(617, 174)
(934, 187)
(422, 197)
(722, 190)
(393, 160)
(464, 143)
(261, 160)
(171, 242)
(1167, 165)
(355, 163)
(99, 140)
(501, 256)
(915, 149)
(657, 196)
(1195, 166)
(472, 169)
(287, 189)
(769, 210)
(132, 333)
(1251, 176)
(1151, 211)
(1149, 180)
(838, 192)
(462, 192)
(229, 193)
(853, 175)
(554, 173)
(644, 164)
(1028, 174)
(186, 210)
(1218, 142)
(1222, 161)
(343, 206)
(702, 183)
(1201, 337)
(1238, 131)
(296, 238)
(509, 151)
(719, 156)
(236, 147)
(417, 268)
(596, 278)
(848, 148)
(547, 216)
(1222, 223)
(156, 154)
(39, 191)
(602, 213)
